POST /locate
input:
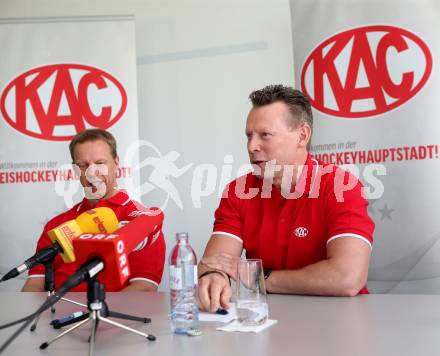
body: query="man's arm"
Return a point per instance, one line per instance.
(33, 284)
(140, 286)
(214, 289)
(147, 264)
(343, 273)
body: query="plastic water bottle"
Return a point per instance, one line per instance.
(183, 286)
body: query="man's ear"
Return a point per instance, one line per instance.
(305, 132)
(117, 160)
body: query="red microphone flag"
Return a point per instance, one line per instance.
(114, 248)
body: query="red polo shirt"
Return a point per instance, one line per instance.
(293, 233)
(146, 264)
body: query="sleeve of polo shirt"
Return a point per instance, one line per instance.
(227, 216)
(348, 217)
(147, 264)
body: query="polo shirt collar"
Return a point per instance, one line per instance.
(121, 198)
(311, 167)
(307, 177)
(308, 174)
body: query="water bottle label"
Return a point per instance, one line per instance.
(180, 278)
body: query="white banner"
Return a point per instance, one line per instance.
(58, 77)
(369, 68)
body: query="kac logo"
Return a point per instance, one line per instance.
(301, 232)
(57, 101)
(366, 71)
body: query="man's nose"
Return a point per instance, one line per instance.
(95, 170)
(254, 144)
(91, 170)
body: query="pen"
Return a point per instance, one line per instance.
(67, 318)
(221, 311)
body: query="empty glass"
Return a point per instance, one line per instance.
(250, 293)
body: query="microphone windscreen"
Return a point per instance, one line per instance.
(98, 220)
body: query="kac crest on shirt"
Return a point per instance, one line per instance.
(301, 231)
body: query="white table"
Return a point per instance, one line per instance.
(365, 325)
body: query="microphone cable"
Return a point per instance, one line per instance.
(87, 270)
(28, 319)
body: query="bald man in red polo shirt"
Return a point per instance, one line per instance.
(307, 221)
(94, 153)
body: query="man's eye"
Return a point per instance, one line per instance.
(266, 135)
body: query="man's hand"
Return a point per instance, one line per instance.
(214, 291)
(222, 262)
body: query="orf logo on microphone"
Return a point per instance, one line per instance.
(366, 71)
(57, 101)
(112, 250)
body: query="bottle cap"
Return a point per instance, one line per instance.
(194, 332)
(181, 235)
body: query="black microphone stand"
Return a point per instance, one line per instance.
(49, 287)
(99, 312)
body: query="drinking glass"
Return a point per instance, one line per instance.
(250, 293)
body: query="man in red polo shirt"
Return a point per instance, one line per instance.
(94, 154)
(307, 221)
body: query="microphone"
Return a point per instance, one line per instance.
(86, 271)
(94, 221)
(42, 256)
(113, 249)
(98, 220)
